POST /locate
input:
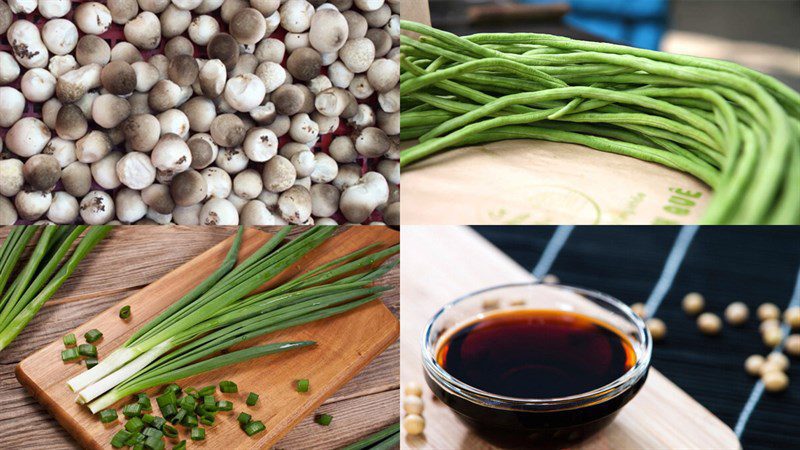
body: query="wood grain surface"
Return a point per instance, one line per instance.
(131, 258)
(442, 263)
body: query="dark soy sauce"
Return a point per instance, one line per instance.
(535, 354)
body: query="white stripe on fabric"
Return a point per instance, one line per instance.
(671, 267)
(550, 252)
(758, 389)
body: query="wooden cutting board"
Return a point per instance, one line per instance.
(442, 263)
(345, 345)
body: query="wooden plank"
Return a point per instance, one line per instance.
(345, 345)
(442, 263)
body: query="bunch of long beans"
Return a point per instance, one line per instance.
(734, 128)
(46, 269)
(222, 312)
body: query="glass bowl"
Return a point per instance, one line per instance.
(519, 422)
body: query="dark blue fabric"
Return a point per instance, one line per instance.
(640, 23)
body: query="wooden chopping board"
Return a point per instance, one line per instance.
(345, 345)
(442, 263)
(536, 182)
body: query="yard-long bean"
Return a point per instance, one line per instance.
(733, 128)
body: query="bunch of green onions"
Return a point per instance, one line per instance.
(734, 128)
(222, 311)
(46, 269)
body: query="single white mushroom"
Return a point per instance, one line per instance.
(174, 21)
(27, 136)
(270, 50)
(59, 65)
(27, 45)
(245, 92)
(232, 160)
(77, 179)
(32, 205)
(92, 18)
(360, 200)
(144, 31)
(108, 110)
(9, 69)
(294, 205)
(8, 213)
(73, 85)
(358, 54)
(64, 208)
(279, 174)
(256, 213)
(212, 78)
(324, 200)
(204, 150)
(62, 150)
(12, 105)
(174, 121)
(97, 208)
(247, 184)
(202, 29)
(296, 15)
(42, 172)
(187, 215)
(218, 182)
(136, 171)
(60, 36)
(54, 8)
(93, 147)
(129, 205)
(219, 212)
(171, 154)
(11, 177)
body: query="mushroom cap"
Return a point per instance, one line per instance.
(183, 70)
(118, 78)
(304, 63)
(225, 48)
(248, 26)
(42, 172)
(188, 188)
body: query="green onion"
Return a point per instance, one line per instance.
(108, 415)
(174, 388)
(167, 398)
(178, 417)
(150, 431)
(144, 400)
(87, 350)
(170, 431)
(119, 439)
(180, 446)
(243, 419)
(189, 421)
(93, 335)
(198, 434)
(91, 362)
(132, 410)
(70, 340)
(125, 312)
(207, 420)
(192, 392)
(254, 427)
(252, 398)
(169, 410)
(219, 313)
(188, 403)
(224, 405)
(47, 268)
(134, 424)
(209, 403)
(373, 439)
(148, 419)
(138, 446)
(154, 443)
(159, 423)
(208, 390)
(302, 385)
(323, 419)
(228, 387)
(70, 354)
(134, 438)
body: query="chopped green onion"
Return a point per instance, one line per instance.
(181, 445)
(125, 312)
(228, 387)
(244, 419)
(119, 439)
(174, 388)
(148, 419)
(144, 400)
(224, 405)
(108, 415)
(138, 446)
(252, 398)
(170, 431)
(91, 362)
(132, 410)
(134, 438)
(169, 410)
(158, 423)
(188, 403)
(134, 424)
(191, 391)
(93, 335)
(154, 443)
(254, 427)
(207, 420)
(70, 340)
(302, 385)
(189, 421)
(70, 354)
(178, 417)
(198, 434)
(208, 390)
(324, 419)
(209, 403)
(150, 431)
(87, 350)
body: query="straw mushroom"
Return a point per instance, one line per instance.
(144, 31)
(204, 150)
(225, 48)
(171, 154)
(360, 200)
(248, 26)
(324, 200)
(372, 142)
(119, 78)
(27, 137)
(294, 204)
(135, 170)
(219, 212)
(108, 110)
(122, 11)
(187, 215)
(296, 15)
(142, 132)
(248, 184)
(12, 105)
(60, 36)
(183, 70)
(53, 8)
(157, 197)
(77, 179)
(260, 144)
(256, 213)
(9, 69)
(42, 172)
(188, 188)
(93, 147)
(279, 174)
(129, 206)
(73, 85)
(32, 204)
(11, 177)
(202, 29)
(64, 208)
(127, 52)
(218, 182)
(228, 130)
(8, 213)
(328, 30)
(27, 45)
(97, 208)
(304, 63)
(92, 18)
(357, 54)
(245, 92)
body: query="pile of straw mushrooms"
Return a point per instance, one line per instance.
(199, 112)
